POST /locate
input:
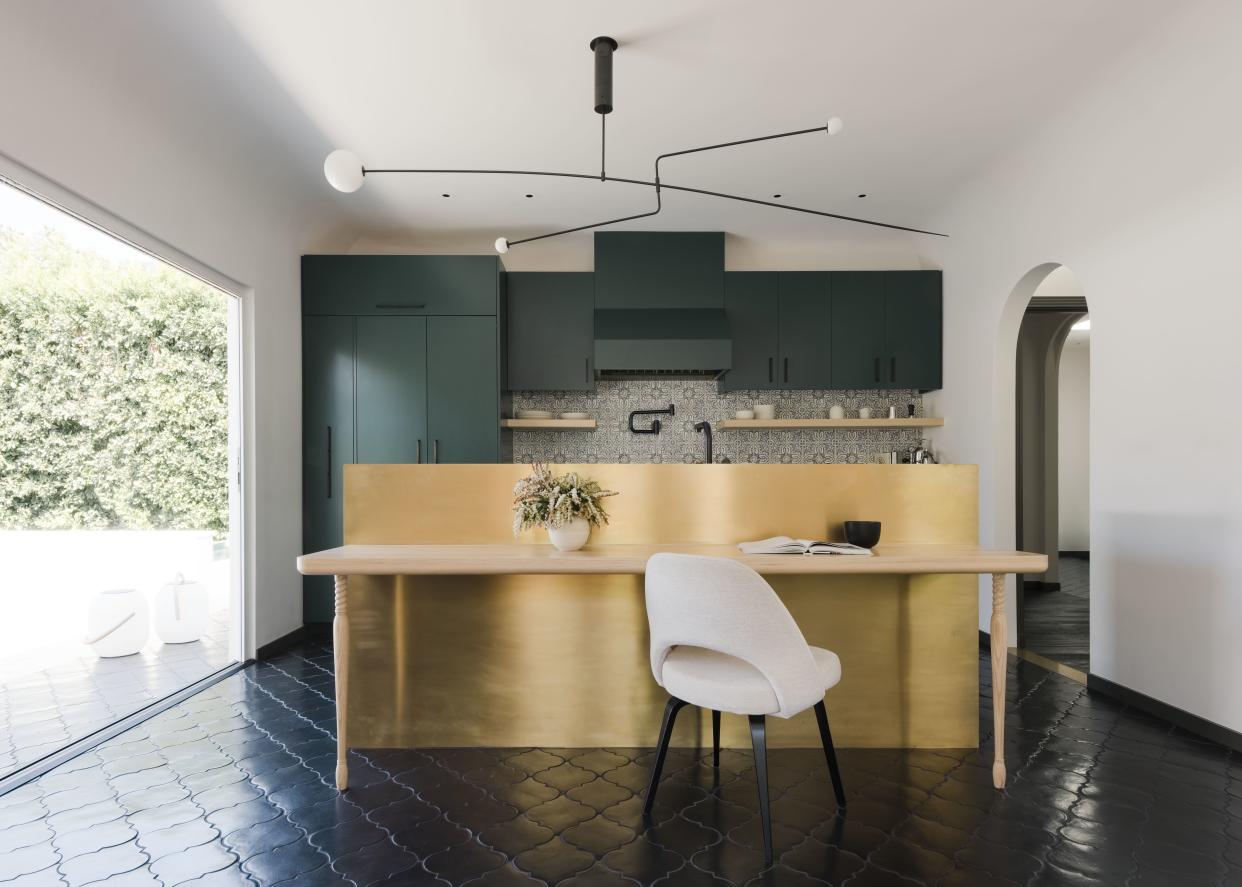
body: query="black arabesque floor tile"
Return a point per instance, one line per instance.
(234, 786)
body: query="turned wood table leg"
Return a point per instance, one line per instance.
(340, 653)
(1000, 653)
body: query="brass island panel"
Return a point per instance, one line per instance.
(562, 660)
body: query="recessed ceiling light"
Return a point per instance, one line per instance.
(444, 195)
(862, 195)
(776, 197)
(530, 195)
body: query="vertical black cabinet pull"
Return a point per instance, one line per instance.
(587, 362)
(877, 369)
(418, 456)
(435, 451)
(892, 370)
(329, 461)
(786, 369)
(770, 379)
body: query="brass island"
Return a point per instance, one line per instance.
(451, 632)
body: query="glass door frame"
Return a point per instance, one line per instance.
(240, 440)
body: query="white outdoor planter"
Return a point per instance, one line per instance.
(181, 611)
(118, 622)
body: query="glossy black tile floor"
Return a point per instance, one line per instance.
(1057, 623)
(232, 787)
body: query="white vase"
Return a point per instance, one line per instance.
(118, 622)
(572, 536)
(181, 611)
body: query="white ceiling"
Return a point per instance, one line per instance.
(929, 91)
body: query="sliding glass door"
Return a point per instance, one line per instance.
(118, 479)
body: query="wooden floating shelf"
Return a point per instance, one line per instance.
(548, 424)
(823, 424)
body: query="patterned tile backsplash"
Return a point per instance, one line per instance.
(611, 402)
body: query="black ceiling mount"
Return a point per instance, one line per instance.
(603, 49)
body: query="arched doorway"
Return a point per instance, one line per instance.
(1049, 455)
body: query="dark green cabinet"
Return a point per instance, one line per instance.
(396, 285)
(659, 269)
(804, 329)
(751, 307)
(392, 389)
(913, 329)
(551, 331)
(886, 329)
(400, 364)
(858, 355)
(327, 443)
(463, 389)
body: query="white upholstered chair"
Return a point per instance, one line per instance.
(722, 640)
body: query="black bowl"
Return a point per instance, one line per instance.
(864, 533)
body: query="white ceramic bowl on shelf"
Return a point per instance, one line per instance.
(533, 414)
(575, 415)
(744, 414)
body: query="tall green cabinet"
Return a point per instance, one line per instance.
(401, 363)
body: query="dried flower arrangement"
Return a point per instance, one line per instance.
(544, 500)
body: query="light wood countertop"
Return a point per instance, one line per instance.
(518, 559)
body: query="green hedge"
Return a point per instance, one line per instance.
(113, 387)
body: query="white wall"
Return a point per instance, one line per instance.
(1073, 442)
(1137, 187)
(143, 138)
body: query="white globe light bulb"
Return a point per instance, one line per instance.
(502, 245)
(835, 125)
(343, 170)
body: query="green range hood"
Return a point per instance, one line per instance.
(638, 342)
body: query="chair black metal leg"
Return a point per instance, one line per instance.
(825, 736)
(715, 738)
(666, 733)
(759, 742)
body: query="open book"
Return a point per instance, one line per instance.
(786, 545)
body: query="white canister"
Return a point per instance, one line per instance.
(118, 622)
(181, 611)
(765, 411)
(864, 412)
(572, 536)
(836, 411)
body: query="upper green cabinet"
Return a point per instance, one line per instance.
(752, 310)
(551, 331)
(886, 329)
(395, 285)
(780, 322)
(913, 328)
(858, 329)
(659, 269)
(805, 329)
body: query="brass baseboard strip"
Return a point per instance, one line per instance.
(1044, 662)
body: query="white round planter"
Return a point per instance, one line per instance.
(572, 536)
(181, 611)
(118, 622)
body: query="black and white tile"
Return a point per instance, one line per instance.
(695, 400)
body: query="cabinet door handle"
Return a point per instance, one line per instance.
(770, 379)
(786, 369)
(877, 369)
(587, 377)
(400, 305)
(329, 461)
(418, 457)
(892, 370)
(435, 451)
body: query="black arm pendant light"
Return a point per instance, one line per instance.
(345, 171)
